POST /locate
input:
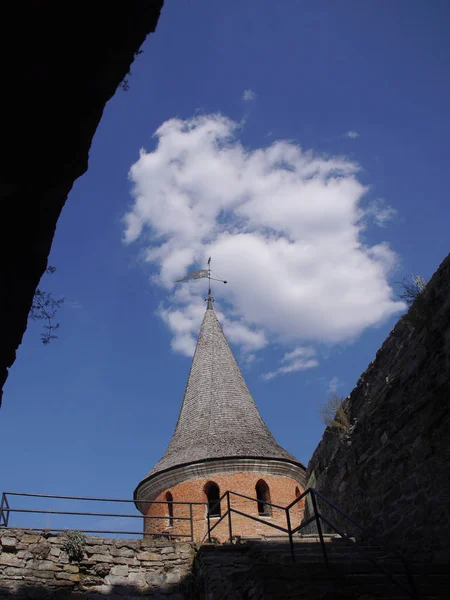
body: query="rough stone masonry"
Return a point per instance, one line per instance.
(391, 470)
(35, 566)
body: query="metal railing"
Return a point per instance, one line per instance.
(318, 518)
(6, 509)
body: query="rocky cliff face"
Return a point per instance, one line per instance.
(392, 471)
(59, 70)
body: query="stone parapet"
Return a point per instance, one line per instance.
(34, 564)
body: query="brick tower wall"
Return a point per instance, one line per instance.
(283, 490)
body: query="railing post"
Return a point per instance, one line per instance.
(319, 528)
(191, 516)
(209, 523)
(2, 518)
(291, 539)
(230, 531)
(4, 513)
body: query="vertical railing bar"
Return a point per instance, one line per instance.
(209, 523)
(2, 518)
(319, 529)
(230, 530)
(291, 540)
(192, 522)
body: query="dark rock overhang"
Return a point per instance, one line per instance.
(61, 65)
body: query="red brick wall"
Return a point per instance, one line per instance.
(282, 492)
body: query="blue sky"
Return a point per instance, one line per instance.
(312, 283)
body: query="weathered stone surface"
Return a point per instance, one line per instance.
(116, 580)
(100, 569)
(30, 538)
(95, 549)
(119, 570)
(68, 576)
(123, 560)
(101, 558)
(137, 579)
(126, 552)
(149, 556)
(392, 471)
(99, 574)
(154, 579)
(8, 544)
(10, 560)
(174, 577)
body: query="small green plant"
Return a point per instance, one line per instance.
(74, 545)
(335, 415)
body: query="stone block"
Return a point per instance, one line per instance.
(115, 580)
(68, 576)
(42, 574)
(46, 565)
(94, 540)
(105, 558)
(173, 577)
(119, 570)
(95, 549)
(100, 570)
(71, 568)
(10, 560)
(13, 572)
(30, 538)
(9, 544)
(127, 552)
(154, 579)
(123, 560)
(148, 556)
(41, 549)
(137, 579)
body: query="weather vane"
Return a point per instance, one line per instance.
(204, 274)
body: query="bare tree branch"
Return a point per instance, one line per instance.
(45, 307)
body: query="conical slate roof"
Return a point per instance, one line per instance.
(218, 417)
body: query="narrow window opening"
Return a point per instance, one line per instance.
(263, 496)
(169, 500)
(212, 492)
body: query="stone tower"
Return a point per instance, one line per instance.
(220, 443)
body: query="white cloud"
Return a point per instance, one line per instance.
(353, 135)
(333, 385)
(300, 359)
(248, 95)
(380, 212)
(282, 224)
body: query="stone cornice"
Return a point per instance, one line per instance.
(151, 487)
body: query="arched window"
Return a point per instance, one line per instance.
(169, 500)
(212, 492)
(263, 495)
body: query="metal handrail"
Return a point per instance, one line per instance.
(6, 510)
(317, 517)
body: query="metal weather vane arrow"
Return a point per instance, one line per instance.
(203, 274)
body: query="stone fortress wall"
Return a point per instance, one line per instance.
(391, 472)
(32, 565)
